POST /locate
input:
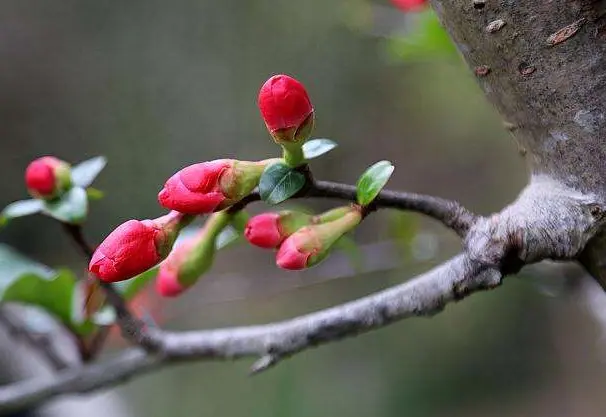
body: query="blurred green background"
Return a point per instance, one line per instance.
(157, 85)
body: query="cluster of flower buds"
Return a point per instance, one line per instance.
(302, 240)
(410, 5)
(213, 187)
(48, 177)
(202, 188)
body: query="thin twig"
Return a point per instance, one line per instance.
(132, 328)
(74, 231)
(423, 296)
(452, 214)
(40, 343)
(98, 341)
(449, 212)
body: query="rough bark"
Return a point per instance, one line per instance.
(544, 70)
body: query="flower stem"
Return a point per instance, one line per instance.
(293, 154)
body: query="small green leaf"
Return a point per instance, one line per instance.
(94, 194)
(130, 288)
(279, 182)
(72, 207)
(26, 281)
(105, 317)
(85, 172)
(372, 181)
(20, 209)
(228, 236)
(318, 147)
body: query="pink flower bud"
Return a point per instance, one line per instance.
(410, 5)
(268, 230)
(167, 284)
(135, 246)
(47, 177)
(296, 251)
(210, 186)
(311, 244)
(190, 260)
(167, 281)
(286, 109)
(264, 230)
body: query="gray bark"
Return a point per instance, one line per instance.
(544, 70)
(21, 362)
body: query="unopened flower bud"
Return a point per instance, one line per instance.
(210, 186)
(268, 230)
(410, 5)
(136, 246)
(188, 261)
(311, 244)
(286, 109)
(48, 177)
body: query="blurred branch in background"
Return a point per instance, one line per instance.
(39, 342)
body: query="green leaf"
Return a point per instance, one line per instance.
(130, 288)
(25, 281)
(426, 39)
(279, 182)
(318, 147)
(20, 209)
(85, 172)
(372, 181)
(228, 236)
(72, 207)
(94, 194)
(13, 264)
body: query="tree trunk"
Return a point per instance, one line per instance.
(542, 64)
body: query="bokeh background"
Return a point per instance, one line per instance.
(157, 85)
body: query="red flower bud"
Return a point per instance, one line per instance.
(47, 177)
(311, 244)
(264, 230)
(135, 246)
(188, 261)
(167, 284)
(210, 186)
(268, 230)
(286, 109)
(410, 5)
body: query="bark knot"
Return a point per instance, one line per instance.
(547, 221)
